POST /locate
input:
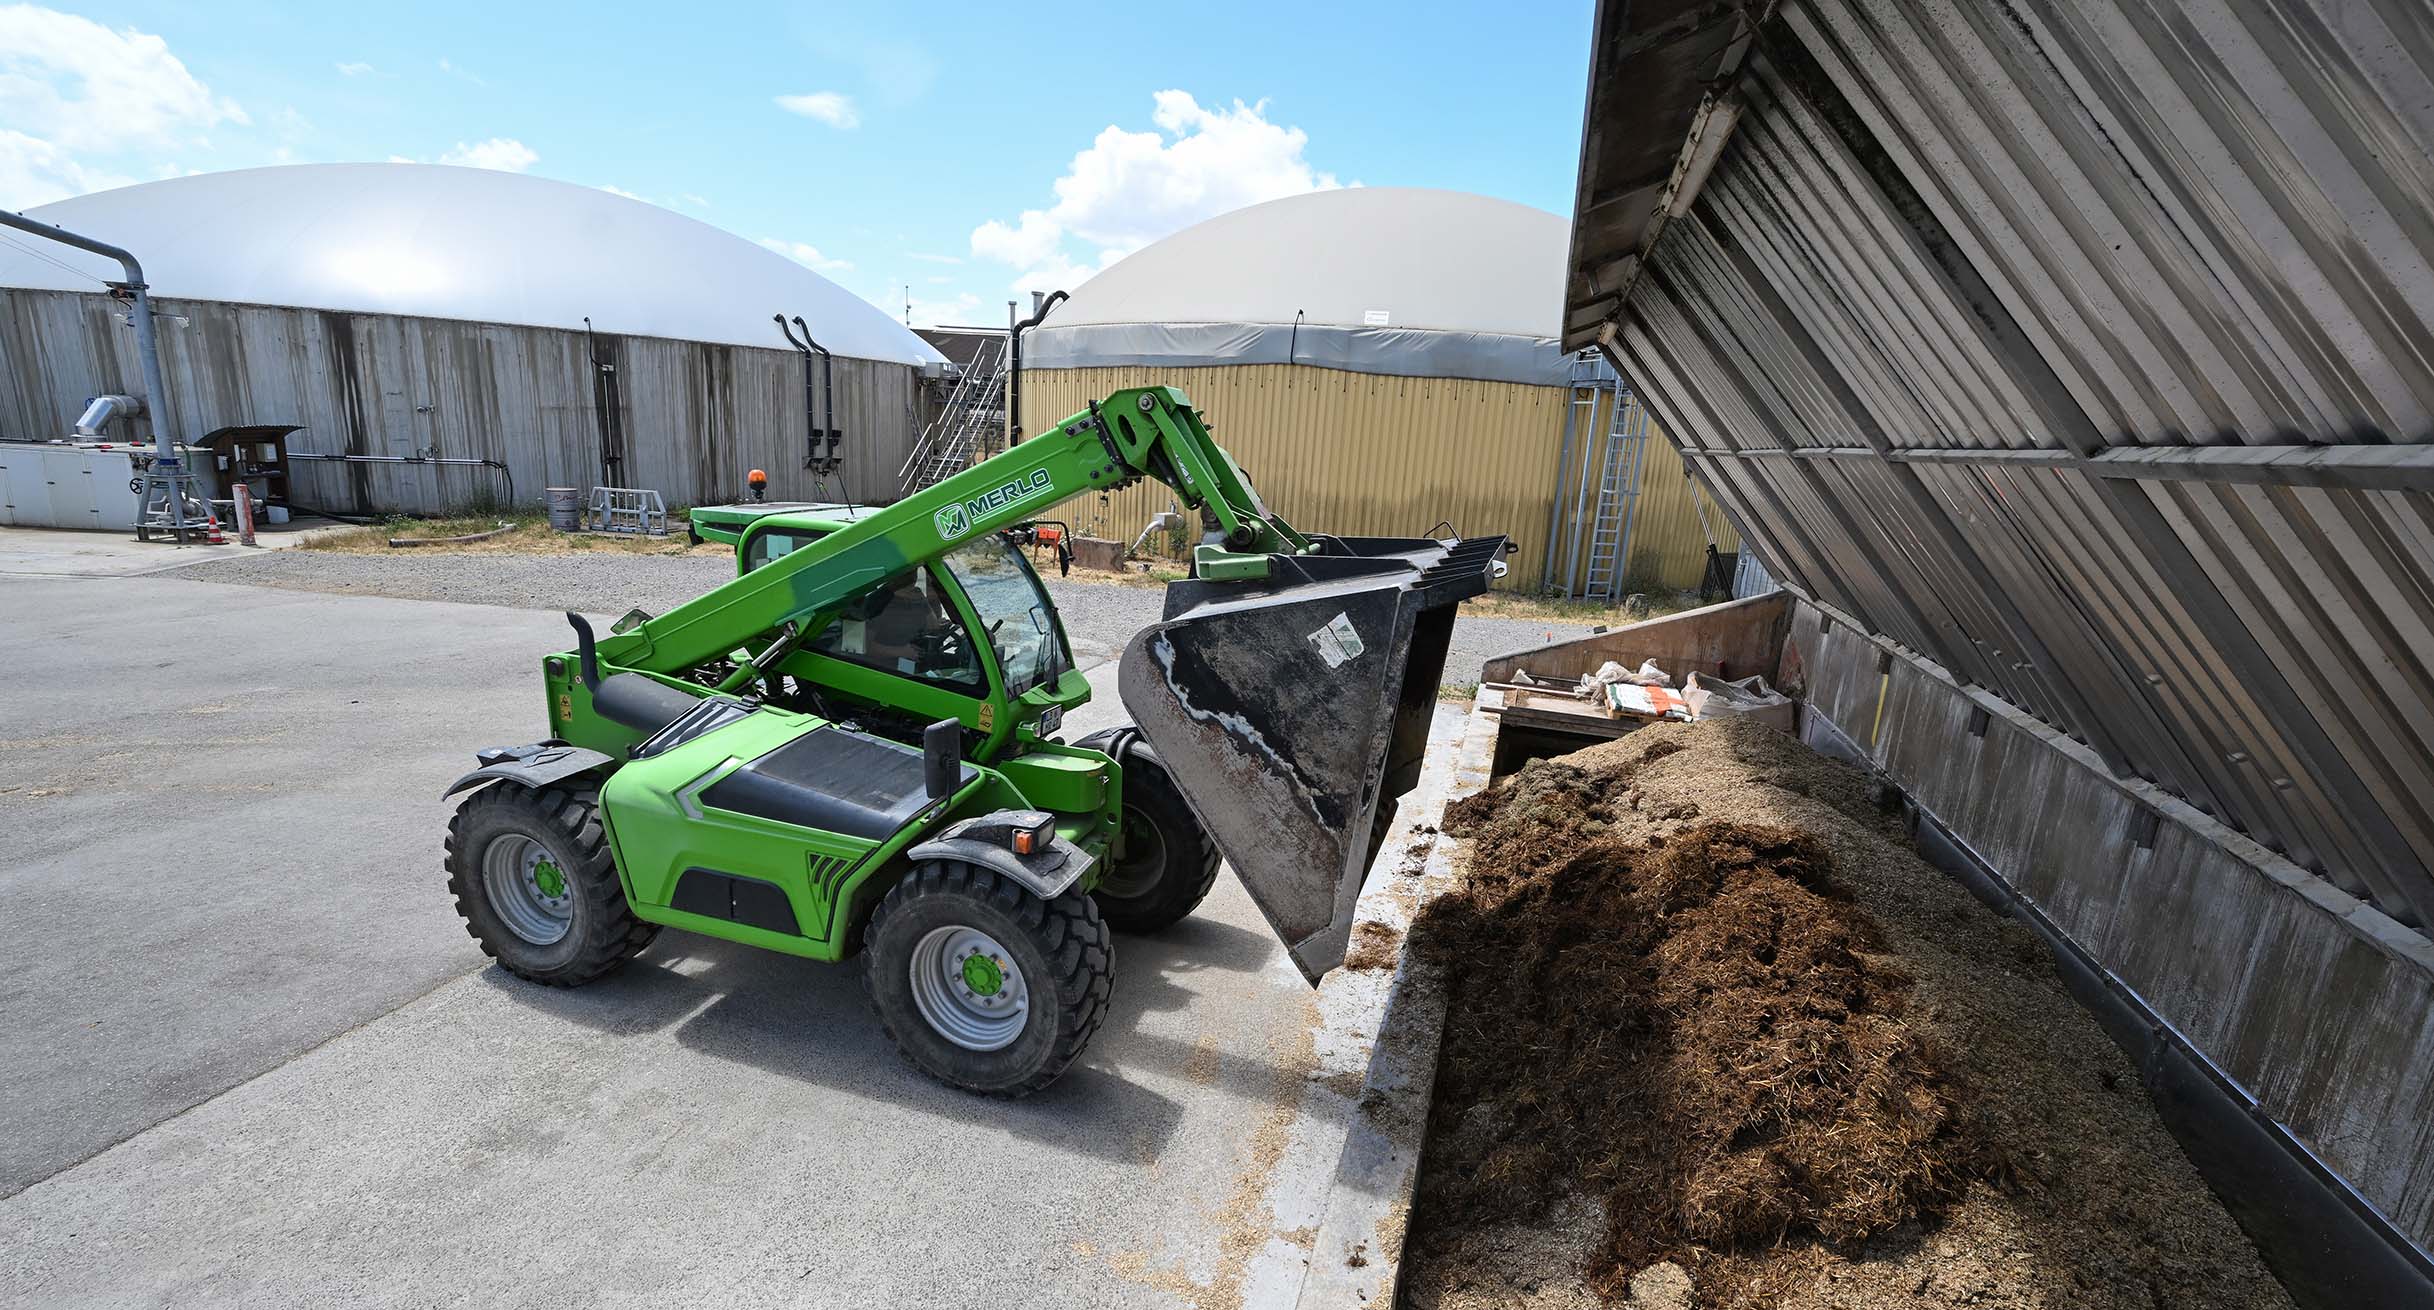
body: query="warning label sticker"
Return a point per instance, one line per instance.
(1337, 642)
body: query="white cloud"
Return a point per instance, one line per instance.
(1033, 239)
(355, 69)
(937, 259)
(1128, 189)
(807, 255)
(506, 154)
(834, 108)
(621, 191)
(71, 87)
(696, 201)
(35, 172)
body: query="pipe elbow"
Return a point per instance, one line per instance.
(101, 409)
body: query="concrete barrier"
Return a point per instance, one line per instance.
(1731, 640)
(2286, 1028)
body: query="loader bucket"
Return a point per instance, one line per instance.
(1293, 711)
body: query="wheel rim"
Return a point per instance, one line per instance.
(1144, 861)
(528, 889)
(969, 989)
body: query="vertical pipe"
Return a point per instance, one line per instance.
(1014, 376)
(147, 351)
(1580, 492)
(828, 404)
(1555, 508)
(1634, 418)
(148, 357)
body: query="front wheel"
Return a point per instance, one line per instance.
(982, 984)
(1169, 864)
(535, 884)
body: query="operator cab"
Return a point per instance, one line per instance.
(976, 626)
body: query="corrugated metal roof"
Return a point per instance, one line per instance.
(2083, 348)
(429, 241)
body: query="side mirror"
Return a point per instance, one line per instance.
(941, 758)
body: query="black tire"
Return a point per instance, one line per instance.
(600, 930)
(1059, 947)
(1169, 863)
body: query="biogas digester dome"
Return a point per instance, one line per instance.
(1379, 359)
(412, 309)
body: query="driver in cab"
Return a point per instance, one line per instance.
(905, 627)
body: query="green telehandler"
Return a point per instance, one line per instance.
(853, 748)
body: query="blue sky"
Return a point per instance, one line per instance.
(967, 152)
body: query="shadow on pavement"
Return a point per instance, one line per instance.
(810, 1023)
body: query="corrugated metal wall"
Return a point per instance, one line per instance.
(2085, 348)
(1362, 454)
(695, 416)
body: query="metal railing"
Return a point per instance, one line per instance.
(967, 425)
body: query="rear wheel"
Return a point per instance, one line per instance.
(535, 884)
(982, 984)
(1169, 864)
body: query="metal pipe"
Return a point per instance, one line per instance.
(828, 387)
(1637, 417)
(1555, 508)
(605, 402)
(101, 409)
(811, 413)
(820, 430)
(1014, 365)
(1589, 454)
(500, 465)
(146, 351)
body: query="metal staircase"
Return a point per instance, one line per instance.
(970, 425)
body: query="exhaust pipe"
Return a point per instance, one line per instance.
(101, 409)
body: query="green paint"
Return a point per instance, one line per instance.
(813, 566)
(546, 876)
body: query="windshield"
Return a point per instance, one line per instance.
(1013, 611)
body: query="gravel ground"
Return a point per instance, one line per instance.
(1099, 616)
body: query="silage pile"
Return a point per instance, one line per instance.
(1709, 1008)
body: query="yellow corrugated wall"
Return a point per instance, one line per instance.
(1360, 454)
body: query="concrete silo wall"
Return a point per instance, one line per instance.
(694, 415)
(1367, 454)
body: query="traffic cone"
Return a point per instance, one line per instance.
(217, 538)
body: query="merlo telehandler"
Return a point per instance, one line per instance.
(853, 748)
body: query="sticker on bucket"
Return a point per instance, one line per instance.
(1337, 642)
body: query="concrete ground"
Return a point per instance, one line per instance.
(60, 553)
(250, 1056)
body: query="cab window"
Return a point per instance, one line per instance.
(905, 625)
(774, 542)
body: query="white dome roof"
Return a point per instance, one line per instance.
(431, 241)
(1381, 279)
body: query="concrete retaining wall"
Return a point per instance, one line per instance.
(2302, 1003)
(1731, 640)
